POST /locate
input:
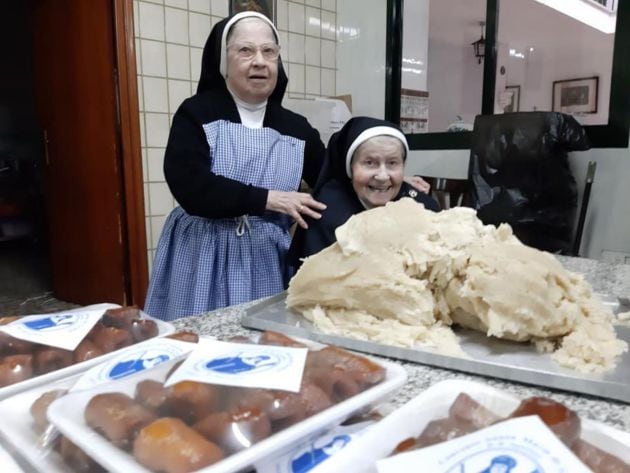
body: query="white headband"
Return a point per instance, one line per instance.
(371, 133)
(228, 26)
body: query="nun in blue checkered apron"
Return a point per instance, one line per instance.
(234, 166)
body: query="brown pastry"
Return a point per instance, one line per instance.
(168, 445)
(152, 395)
(49, 359)
(191, 401)
(117, 417)
(276, 338)
(109, 339)
(7, 319)
(235, 431)
(14, 346)
(335, 382)
(598, 460)
(143, 329)
(40, 407)
(561, 420)
(77, 459)
(121, 317)
(184, 336)
(15, 368)
(86, 350)
(466, 409)
(362, 370)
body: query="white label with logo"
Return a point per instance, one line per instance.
(134, 359)
(308, 455)
(242, 364)
(521, 445)
(61, 329)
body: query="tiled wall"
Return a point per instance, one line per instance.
(170, 35)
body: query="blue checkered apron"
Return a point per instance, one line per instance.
(203, 264)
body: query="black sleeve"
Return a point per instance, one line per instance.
(313, 158)
(199, 191)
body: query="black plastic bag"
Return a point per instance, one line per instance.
(519, 174)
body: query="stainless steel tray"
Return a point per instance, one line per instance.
(488, 356)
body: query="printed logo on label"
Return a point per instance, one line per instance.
(52, 323)
(518, 460)
(247, 362)
(133, 364)
(308, 459)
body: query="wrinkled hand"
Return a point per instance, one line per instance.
(295, 204)
(418, 183)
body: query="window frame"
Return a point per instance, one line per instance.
(614, 134)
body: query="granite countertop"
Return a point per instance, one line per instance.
(605, 278)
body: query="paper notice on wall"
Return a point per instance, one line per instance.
(414, 111)
(325, 115)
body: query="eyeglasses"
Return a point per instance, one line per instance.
(247, 51)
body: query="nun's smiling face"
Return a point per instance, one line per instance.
(252, 60)
(378, 170)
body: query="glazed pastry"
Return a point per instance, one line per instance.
(76, 458)
(117, 417)
(121, 317)
(466, 409)
(335, 382)
(40, 407)
(275, 338)
(14, 346)
(152, 395)
(184, 336)
(109, 339)
(49, 359)
(7, 319)
(143, 329)
(362, 370)
(235, 431)
(191, 401)
(15, 368)
(278, 405)
(86, 350)
(561, 420)
(598, 460)
(168, 445)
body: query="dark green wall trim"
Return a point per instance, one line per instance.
(393, 58)
(613, 135)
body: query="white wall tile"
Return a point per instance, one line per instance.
(220, 8)
(176, 26)
(136, 18)
(140, 94)
(298, 1)
(282, 15)
(328, 53)
(178, 91)
(157, 129)
(199, 26)
(178, 62)
(329, 25)
(296, 48)
(138, 57)
(153, 58)
(151, 21)
(155, 95)
(143, 135)
(329, 5)
(145, 166)
(313, 21)
(155, 1)
(312, 51)
(328, 83)
(296, 18)
(195, 64)
(201, 6)
(155, 163)
(284, 44)
(147, 222)
(296, 78)
(312, 82)
(177, 3)
(161, 199)
(314, 3)
(157, 223)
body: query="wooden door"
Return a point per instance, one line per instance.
(75, 75)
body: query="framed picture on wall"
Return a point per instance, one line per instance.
(266, 7)
(513, 95)
(575, 95)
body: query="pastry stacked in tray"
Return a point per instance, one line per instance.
(190, 425)
(21, 360)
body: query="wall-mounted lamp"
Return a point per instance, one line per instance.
(480, 45)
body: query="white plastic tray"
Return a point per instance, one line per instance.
(411, 419)
(67, 414)
(164, 328)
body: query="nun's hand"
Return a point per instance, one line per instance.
(418, 183)
(295, 204)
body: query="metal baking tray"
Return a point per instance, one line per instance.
(489, 356)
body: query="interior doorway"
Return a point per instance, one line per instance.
(71, 199)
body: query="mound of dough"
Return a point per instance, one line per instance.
(401, 275)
